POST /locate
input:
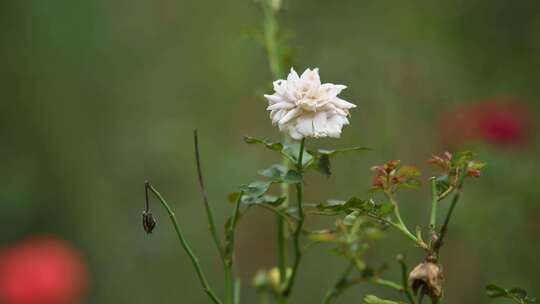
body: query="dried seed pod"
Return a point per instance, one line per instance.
(149, 222)
(427, 278)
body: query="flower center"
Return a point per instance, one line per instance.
(308, 104)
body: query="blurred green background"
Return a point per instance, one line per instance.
(97, 96)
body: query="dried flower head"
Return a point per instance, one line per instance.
(303, 107)
(427, 278)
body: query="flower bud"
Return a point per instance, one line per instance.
(149, 222)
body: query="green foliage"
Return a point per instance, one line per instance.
(371, 299)
(517, 294)
(358, 205)
(322, 158)
(289, 150)
(318, 159)
(256, 188)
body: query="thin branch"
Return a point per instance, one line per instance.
(185, 244)
(211, 225)
(204, 194)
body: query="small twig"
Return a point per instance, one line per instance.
(185, 244)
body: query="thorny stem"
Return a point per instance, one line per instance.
(184, 243)
(455, 199)
(298, 231)
(211, 225)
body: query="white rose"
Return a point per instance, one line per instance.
(303, 107)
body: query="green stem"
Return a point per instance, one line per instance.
(211, 225)
(455, 199)
(237, 291)
(339, 286)
(185, 245)
(405, 280)
(434, 201)
(234, 219)
(229, 259)
(271, 29)
(387, 283)
(228, 285)
(298, 231)
(400, 225)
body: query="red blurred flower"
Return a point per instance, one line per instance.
(42, 270)
(502, 122)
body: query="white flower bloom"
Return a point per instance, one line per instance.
(303, 107)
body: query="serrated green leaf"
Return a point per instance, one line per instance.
(292, 177)
(322, 157)
(275, 146)
(336, 151)
(264, 199)
(292, 150)
(519, 295)
(494, 291)
(274, 173)
(340, 206)
(351, 218)
(256, 188)
(385, 209)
